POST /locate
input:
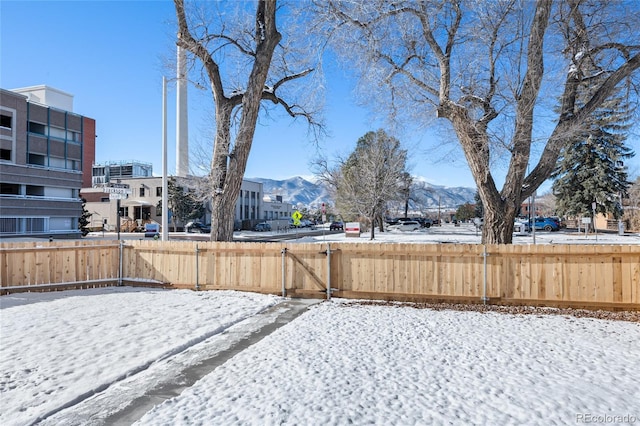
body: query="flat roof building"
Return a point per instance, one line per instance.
(46, 155)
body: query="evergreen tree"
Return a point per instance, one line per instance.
(590, 168)
(83, 220)
(479, 208)
(185, 205)
(465, 212)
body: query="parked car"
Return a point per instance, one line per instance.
(336, 226)
(391, 221)
(409, 225)
(559, 221)
(151, 230)
(263, 226)
(519, 226)
(197, 227)
(424, 222)
(545, 224)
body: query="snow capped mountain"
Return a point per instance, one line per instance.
(427, 197)
(298, 190)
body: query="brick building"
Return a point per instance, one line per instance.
(46, 153)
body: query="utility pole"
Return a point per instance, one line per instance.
(533, 206)
(118, 214)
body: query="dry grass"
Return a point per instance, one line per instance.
(631, 316)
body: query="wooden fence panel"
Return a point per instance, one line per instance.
(546, 274)
(56, 264)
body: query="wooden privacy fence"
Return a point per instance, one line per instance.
(604, 276)
(73, 263)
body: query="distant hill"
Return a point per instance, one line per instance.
(298, 190)
(430, 196)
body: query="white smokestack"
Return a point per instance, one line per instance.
(182, 132)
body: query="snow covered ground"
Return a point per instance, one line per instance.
(338, 363)
(59, 348)
(467, 234)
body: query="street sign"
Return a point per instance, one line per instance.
(296, 216)
(117, 196)
(117, 188)
(352, 229)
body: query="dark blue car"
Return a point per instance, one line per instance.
(545, 224)
(197, 227)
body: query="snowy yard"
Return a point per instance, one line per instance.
(338, 363)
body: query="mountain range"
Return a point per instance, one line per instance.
(302, 192)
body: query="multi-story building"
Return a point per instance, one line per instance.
(143, 204)
(137, 208)
(46, 153)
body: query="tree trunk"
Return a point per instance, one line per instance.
(372, 235)
(498, 225)
(221, 220)
(229, 163)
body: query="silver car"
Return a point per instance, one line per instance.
(409, 225)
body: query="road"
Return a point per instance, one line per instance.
(243, 236)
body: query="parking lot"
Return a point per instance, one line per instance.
(446, 233)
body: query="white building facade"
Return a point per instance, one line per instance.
(142, 205)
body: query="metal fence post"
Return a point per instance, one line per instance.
(197, 268)
(284, 290)
(484, 285)
(120, 263)
(328, 271)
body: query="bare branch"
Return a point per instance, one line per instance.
(231, 41)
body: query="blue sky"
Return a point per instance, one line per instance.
(110, 54)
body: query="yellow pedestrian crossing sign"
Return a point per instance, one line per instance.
(296, 216)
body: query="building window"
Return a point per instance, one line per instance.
(57, 133)
(5, 121)
(158, 191)
(36, 224)
(74, 136)
(37, 128)
(73, 164)
(5, 154)
(35, 191)
(142, 191)
(9, 189)
(37, 159)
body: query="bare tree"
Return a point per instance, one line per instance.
(490, 69)
(371, 176)
(260, 65)
(631, 207)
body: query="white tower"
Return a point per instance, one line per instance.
(182, 131)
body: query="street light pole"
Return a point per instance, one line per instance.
(533, 206)
(165, 185)
(118, 212)
(118, 217)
